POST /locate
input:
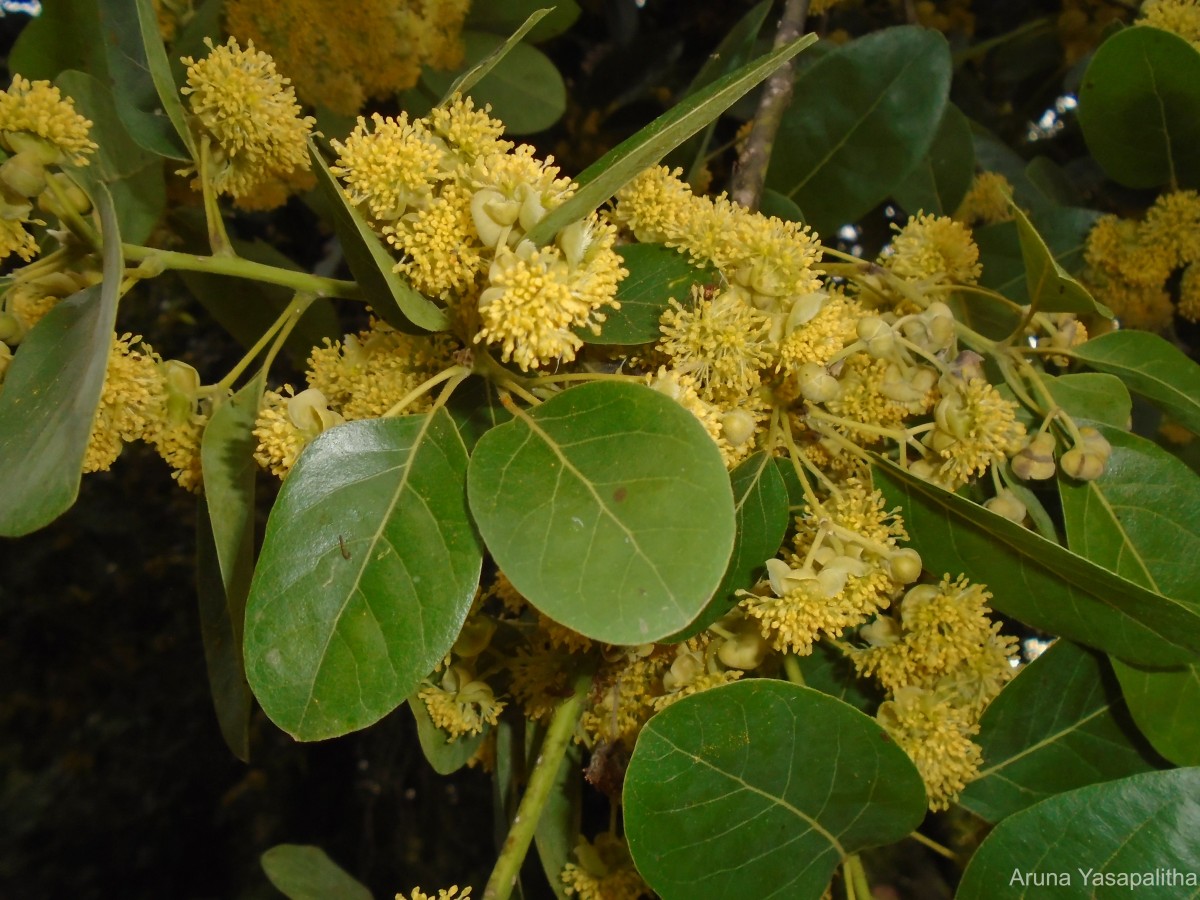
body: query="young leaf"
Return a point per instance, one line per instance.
(887, 89)
(609, 508)
(608, 174)
(1137, 108)
(1064, 231)
(393, 298)
(51, 392)
(1049, 286)
(657, 274)
(1038, 582)
(446, 756)
(365, 576)
(1095, 836)
(759, 789)
(1061, 724)
(1150, 366)
(505, 18)
(760, 504)
(1163, 703)
(303, 872)
(940, 180)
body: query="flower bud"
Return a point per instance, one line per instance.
(882, 631)
(11, 329)
(746, 650)
(877, 335)
(1092, 441)
(1035, 462)
(1006, 504)
(77, 200)
(1082, 464)
(531, 211)
(905, 566)
(687, 667)
(816, 384)
(24, 175)
(493, 215)
(310, 412)
(737, 427)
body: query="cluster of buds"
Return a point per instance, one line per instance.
(1085, 461)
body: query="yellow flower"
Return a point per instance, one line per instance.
(286, 424)
(132, 400)
(460, 704)
(935, 249)
(251, 113)
(975, 428)
(450, 893)
(38, 108)
(15, 239)
(391, 167)
(441, 251)
(604, 872)
(1179, 16)
(987, 201)
(1172, 223)
(471, 132)
(1189, 293)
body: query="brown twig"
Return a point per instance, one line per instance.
(751, 170)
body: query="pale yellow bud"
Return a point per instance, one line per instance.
(1006, 504)
(905, 565)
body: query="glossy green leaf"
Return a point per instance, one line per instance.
(505, 18)
(1092, 395)
(1137, 108)
(828, 670)
(619, 165)
(134, 175)
(226, 531)
(446, 756)
(475, 408)
(759, 789)
(365, 576)
(1150, 366)
(51, 392)
(942, 177)
(136, 68)
(1060, 725)
(1099, 838)
(518, 81)
(61, 38)
(389, 294)
(885, 90)
(1039, 582)
(609, 508)
(657, 274)
(760, 503)
(302, 872)
(1049, 286)
(1163, 703)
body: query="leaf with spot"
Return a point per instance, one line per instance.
(1134, 825)
(1059, 725)
(760, 789)
(366, 574)
(609, 509)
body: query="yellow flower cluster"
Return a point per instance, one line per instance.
(935, 250)
(986, 202)
(339, 61)
(974, 428)
(450, 893)
(1130, 261)
(1179, 16)
(456, 201)
(250, 113)
(38, 109)
(605, 871)
(461, 704)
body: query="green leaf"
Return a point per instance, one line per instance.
(134, 175)
(366, 574)
(1091, 395)
(444, 754)
(885, 90)
(1049, 286)
(51, 392)
(619, 165)
(130, 48)
(505, 18)
(160, 72)
(521, 84)
(657, 274)
(828, 670)
(61, 38)
(940, 180)
(475, 408)
(759, 789)
(1134, 827)
(776, 204)
(1038, 582)
(1163, 703)
(1150, 366)
(1060, 724)
(1137, 108)
(393, 298)
(609, 508)
(204, 23)
(303, 872)
(225, 542)
(760, 505)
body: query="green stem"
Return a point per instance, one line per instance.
(292, 311)
(67, 214)
(459, 372)
(933, 845)
(218, 240)
(244, 268)
(856, 875)
(791, 668)
(541, 782)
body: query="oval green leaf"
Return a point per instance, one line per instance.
(657, 274)
(1092, 395)
(1094, 841)
(444, 755)
(1049, 286)
(523, 87)
(51, 392)
(609, 508)
(396, 301)
(365, 576)
(1037, 581)
(759, 789)
(938, 183)
(1150, 366)
(1163, 703)
(1137, 108)
(303, 872)
(887, 89)
(1060, 724)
